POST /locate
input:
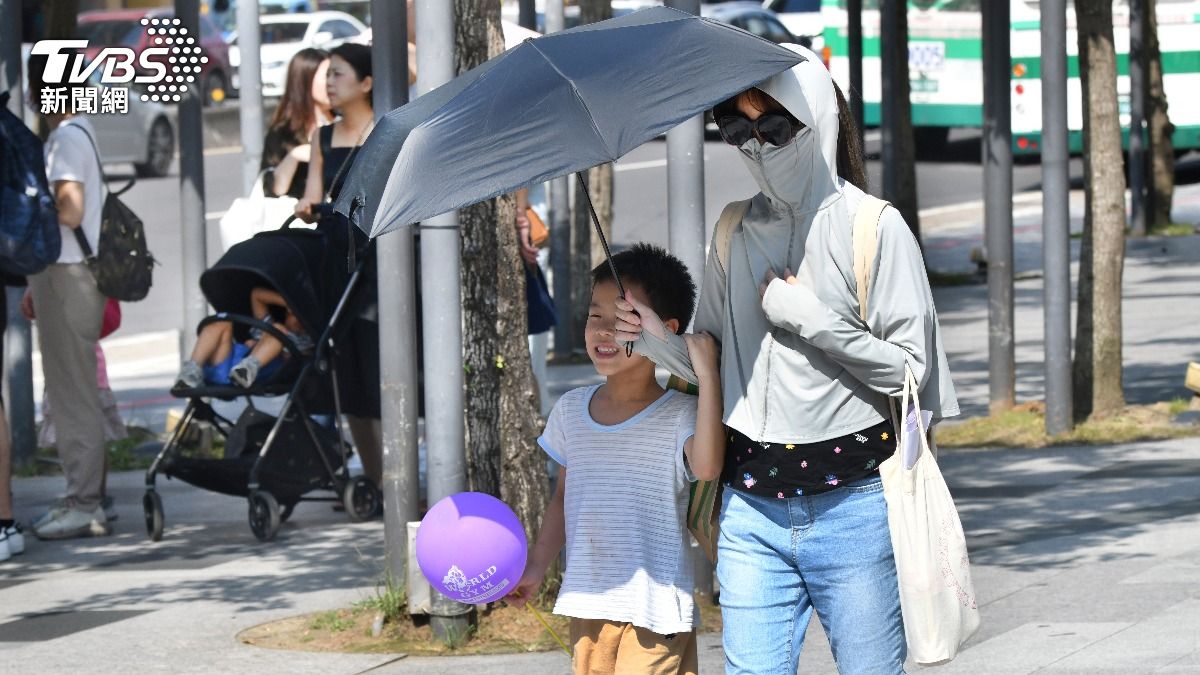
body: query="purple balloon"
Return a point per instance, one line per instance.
(471, 547)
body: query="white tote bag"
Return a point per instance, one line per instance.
(248, 216)
(937, 599)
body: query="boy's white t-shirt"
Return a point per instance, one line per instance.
(626, 512)
(69, 156)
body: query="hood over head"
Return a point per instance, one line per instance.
(801, 175)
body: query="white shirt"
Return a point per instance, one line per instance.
(626, 512)
(70, 156)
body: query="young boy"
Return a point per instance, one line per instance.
(627, 450)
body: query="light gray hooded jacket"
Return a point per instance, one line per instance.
(800, 366)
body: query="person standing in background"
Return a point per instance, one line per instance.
(303, 108)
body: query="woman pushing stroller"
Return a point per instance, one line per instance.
(219, 359)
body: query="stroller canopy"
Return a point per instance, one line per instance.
(289, 261)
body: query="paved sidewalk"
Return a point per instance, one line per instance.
(1086, 560)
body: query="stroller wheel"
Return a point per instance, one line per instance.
(286, 512)
(264, 515)
(361, 498)
(153, 510)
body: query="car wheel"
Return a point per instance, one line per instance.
(215, 88)
(160, 150)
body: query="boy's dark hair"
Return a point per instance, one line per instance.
(661, 276)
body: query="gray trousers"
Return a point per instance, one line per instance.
(69, 311)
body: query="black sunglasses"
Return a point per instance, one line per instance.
(773, 128)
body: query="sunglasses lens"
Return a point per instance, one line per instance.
(734, 130)
(776, 129)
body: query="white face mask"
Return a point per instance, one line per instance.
(794, 174)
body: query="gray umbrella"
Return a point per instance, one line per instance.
(551, 106)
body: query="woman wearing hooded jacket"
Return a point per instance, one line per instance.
(806, 384)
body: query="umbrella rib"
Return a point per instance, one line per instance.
(574, 88)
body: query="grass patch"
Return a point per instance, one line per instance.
(1172, 230)
(121, 456)
(1025, 427)
(390, 600)
(943, 279)
(333, 621)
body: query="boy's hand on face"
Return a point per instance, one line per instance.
(705, 353)
(633, 317)
(525, 589)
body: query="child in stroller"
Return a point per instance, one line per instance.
(218, 359)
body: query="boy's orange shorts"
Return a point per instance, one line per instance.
(607, 648)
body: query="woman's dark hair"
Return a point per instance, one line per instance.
(296, 111)
(358, 56)
(664, 279)
(850, 163)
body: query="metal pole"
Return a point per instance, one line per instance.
(441, 292)
(250, 103)
(527, 14)
(685, 182)
(191, 190)
(686, 229)
(18, 338)
(560, 226)
(1139, 91)
(997, 197)
(888, 122)
(1056, 244)
(855, 36)
(397, 314)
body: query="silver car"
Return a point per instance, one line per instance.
(144, 136)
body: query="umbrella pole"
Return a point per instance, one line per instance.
(603, 242)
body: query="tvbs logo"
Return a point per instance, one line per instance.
(162, 70)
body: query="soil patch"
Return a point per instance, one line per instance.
(499, 629)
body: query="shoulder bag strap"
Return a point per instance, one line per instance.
(731, 217)
(866, 240)
(80, 237)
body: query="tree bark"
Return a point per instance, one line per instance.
(587, 251)
(1162, 149)
(899, 166)
(503, 417)
(1097, 367)
(480, 243)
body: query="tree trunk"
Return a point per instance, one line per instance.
(502, 412)
(899, 160)
(586, 249)
(1162, 150)
(478, 224)
(1097, 368)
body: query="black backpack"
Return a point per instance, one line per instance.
(123, 265)
(29, 235)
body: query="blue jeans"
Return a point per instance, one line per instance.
(779, 559)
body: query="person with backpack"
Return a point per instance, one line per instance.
(806, 381)
(70, 312)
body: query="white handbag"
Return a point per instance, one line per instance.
(248, 216)
(937, 599)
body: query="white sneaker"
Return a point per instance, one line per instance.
(59, 504)
(72, 522)
(13, 539)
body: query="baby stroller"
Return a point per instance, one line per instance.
(275, 462)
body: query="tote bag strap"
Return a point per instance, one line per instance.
(866, 243)
(731, 217)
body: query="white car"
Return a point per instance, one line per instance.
(282, 35)
(801, 17)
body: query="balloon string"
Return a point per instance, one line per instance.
(550, 630)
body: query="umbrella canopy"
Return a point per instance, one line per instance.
(551, 106)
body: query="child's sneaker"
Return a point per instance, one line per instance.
(12, 541)
(245, 372)
(191, 376)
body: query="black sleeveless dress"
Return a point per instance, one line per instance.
(357, 341)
